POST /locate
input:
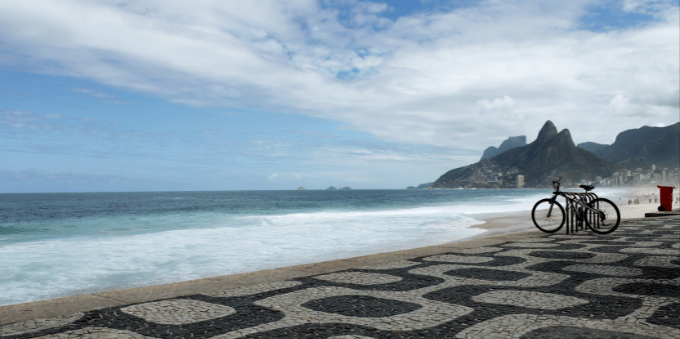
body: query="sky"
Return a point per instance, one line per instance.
(161, 95)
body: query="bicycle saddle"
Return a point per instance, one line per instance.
(587, 187)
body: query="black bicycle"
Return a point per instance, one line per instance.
(600, 215)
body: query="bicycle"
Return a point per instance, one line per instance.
(600, 215)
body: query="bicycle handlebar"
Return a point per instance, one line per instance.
(556, 184)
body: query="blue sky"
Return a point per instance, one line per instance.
(238, 95)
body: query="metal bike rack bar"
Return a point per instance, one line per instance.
(574, 225)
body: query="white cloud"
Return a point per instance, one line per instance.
(504, 103)
(644, 6)
(422, 79)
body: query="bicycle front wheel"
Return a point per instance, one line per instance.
(548, 223)
(607, 220)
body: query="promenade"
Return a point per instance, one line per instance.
(521, 285)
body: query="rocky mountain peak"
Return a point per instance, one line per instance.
(508, 144)
(551, 155)
(547, 132)
(564, 139)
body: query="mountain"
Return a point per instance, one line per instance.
(645, 146)
(592, 147)
(426, 185)
(510, 143)
(551, 155)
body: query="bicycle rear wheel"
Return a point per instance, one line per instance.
(605, 222)
(545, 223)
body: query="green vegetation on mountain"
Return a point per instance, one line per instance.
(551, 155)
(645, 146)
(592, 147)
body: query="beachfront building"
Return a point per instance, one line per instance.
(642, 177)
(520, 181)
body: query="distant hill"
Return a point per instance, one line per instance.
(644, 146)
(551, 155)
(592, 147)
(508, 144)
(426, 185)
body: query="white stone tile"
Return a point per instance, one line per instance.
(359, 278)
(254, 289)
(96, 333)
(458, 259)
(178, 311)
(537, 300)
(658, 261)
(391, 265)
(33, 326)
(605, 269)
(480, 250)
(653, 251)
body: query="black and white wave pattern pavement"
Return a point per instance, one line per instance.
(622, 285)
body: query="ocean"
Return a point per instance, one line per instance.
(60, 244)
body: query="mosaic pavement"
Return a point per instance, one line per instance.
(623, 285)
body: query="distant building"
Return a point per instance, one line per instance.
(663, 174)
(520, 181)
(653, 168)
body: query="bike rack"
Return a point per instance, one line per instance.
(574, 225)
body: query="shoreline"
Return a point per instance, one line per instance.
(499, 227)
(68, 305)
(494, 224)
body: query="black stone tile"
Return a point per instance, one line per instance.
(409, 281)
(609, 249)
(598, 306)
(361, 306)
(668, 315)
(649, 289)
(487, 274)
(580, 332)
(561, 255)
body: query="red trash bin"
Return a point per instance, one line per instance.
(666, 198)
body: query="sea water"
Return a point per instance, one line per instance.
(59, 244)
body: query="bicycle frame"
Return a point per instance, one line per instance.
(582, 210)
(572, 200)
